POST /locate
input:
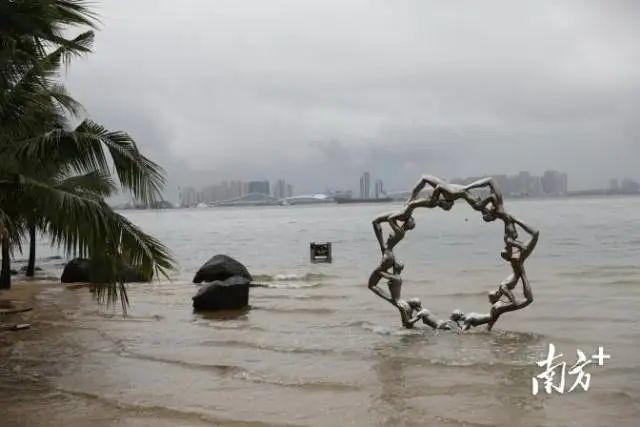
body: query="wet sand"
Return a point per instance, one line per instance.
(27, 399)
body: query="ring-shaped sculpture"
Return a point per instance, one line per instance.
(444, 195)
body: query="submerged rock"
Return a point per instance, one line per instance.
(79, 270)
(221, 267)
(229, 294)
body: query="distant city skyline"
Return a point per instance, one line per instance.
(551, 182)
(353, 185)
(232, 189)
(524, 183)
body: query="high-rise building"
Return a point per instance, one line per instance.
(535, 186)
(280, 189)
(365, 186)
(260, 187)
(522, 183)
(235, 189)
(289, 190)
(188, 197)
(379, 192)
(210, 193)
(554, 182)
(614, 185)
(629, 186)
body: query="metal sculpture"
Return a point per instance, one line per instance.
(444, 195)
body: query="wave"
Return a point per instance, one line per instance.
(459, 294)
(305, 385)
(296, 310)
(223, 370)
(286, 285)
(385, 330)
(290, 276)
(587, 319)
(299, 297)
(597, 271)
(237, 372)
(319, 297)
(378, 329)
(268, 347)
(460, 363)
(623, 282)
(139, 409)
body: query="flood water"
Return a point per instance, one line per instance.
(317, 348)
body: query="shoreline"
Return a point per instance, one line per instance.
(570, 196)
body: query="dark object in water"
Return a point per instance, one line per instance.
(229, 294)
(79, 270)
(15, 326)
(23, 269)
(14, 310)
(76, 270)
(320, 252)
(221, 267)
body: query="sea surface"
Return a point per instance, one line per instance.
(318, 348)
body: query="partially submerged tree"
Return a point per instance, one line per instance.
(53, 176)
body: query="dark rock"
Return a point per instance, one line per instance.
(221, 267)
(76, 270)
(79, 270)
(13, 272)
(229, 294)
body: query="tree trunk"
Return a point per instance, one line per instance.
(31, 265)
(5, 272)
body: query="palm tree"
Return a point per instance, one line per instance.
(55, 176)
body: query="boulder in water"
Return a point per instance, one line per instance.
(79, 270)
(76, 270)
(229, 294)
(221, 267)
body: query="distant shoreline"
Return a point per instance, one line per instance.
(571, 195)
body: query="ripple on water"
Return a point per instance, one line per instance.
(286, 285)
(240, 373)
(291, 276)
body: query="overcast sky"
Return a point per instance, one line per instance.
(316, 92)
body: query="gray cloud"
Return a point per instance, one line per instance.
(318, 91)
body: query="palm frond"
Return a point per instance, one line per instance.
(94, 183)
(136, 173)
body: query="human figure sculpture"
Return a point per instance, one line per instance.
(411, 312)
(394, 281)
(444, 196)
(516, 253)
(497, 309)
(400, 223)
(469, 320)
(449, 192)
